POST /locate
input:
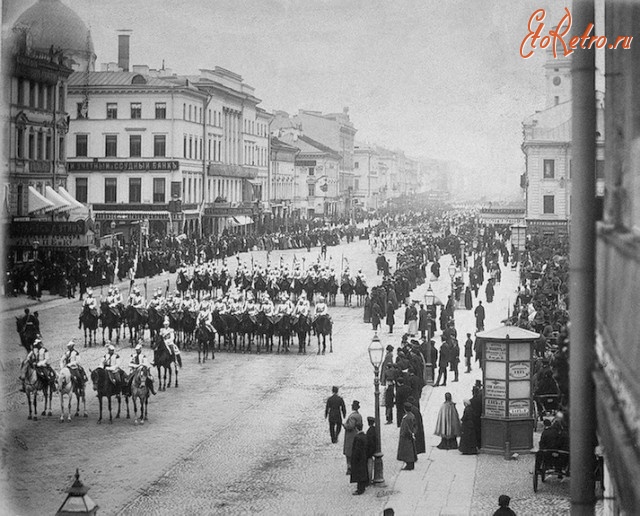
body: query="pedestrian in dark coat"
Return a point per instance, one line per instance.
(391, 296)
(489, 291)
(359, 471)
(421, 446)
(423, 321)
(454, 358)
(434, 358)
(335, 410)
(376, 315)
(371, 444)
(406, 442)
(468, 300)
(443, 362)
(468, 442)
(384, 368)
(468, 352)
(350, 432)
(402, 395)
(391, 320)
(476, 410)
(479, 313)
(367, 309)
(389, 399)
(448, 425)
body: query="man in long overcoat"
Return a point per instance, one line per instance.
(406, 442)
(359, 471)
(421, 446)
(391, 320)
(335, 411)
(350, 433)
(403, 392)
(423, 321)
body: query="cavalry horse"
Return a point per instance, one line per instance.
(34, 383)
(175, 322)
(110, 320)
(28, 332)
(140, 391)
(155, 322)
(105, 388)
(283, 331)
(89, 320)
(361, 290)
(163, 358)
(183, 283)
(188, 328)
(264, 329)
(136, 319)
(332, 291)
(246, 329)
(346, 287)
(323, 327)
(205, 339)
(68, 386)
(302, 328)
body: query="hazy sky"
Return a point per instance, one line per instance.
(441, 79)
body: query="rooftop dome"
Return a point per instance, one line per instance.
(50, 22)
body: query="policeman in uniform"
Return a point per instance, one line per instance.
(70, 361)
(110, 364)
(137, 360)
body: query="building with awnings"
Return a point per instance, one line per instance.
(38, 59)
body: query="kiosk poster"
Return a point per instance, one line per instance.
(494, 407)
(496, 351)
(495, 389)
(519, 408)
(519, 371)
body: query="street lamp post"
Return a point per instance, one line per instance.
(452, 273)
(376, 352)
(429, 300)
(77, 500)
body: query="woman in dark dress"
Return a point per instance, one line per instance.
(468, 445)
(468, 301)
(367, 309)
(376, 315)
(489, 291)
(448, 424)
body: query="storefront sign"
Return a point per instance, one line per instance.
(495, 389)
(495, 351)
(519, 408)
(37, 228)
(519, 370)
(494, 408)
(54, 241)
(121, 166)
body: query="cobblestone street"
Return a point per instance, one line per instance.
(245, 433)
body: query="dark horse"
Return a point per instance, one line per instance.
(136, 320)
(323, 327)
(89, 321)
(163, 358)
(156, 319)
(105, 388)
(361, 290)
(206, 340)
(188, 328)
(302, 327)
(264, 332)
(283, 331)
(110, 319)
(346, 287)
(27, 327)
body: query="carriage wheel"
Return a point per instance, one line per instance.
(535, 481)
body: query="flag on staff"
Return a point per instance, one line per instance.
(166, 290)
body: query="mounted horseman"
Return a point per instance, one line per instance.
(89, 317)
(28, 327)
(71, 380)
(323, 325)
(302, 322)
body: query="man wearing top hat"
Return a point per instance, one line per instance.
(350, 432)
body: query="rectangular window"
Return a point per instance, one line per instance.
(111, 145)
(110, 190)
(312, 171)
(61, 149)
(112, 110)
(80, 110)
(135, 145)
(32, 145)
(161, 110)
(135, 190)
(32, 94)
(20, 99)
(356, 164)
(159, 145)
(175, 189)
(312, 190)
(48, 147)
(40, 143)
(549, 167)
(41, 96)
(81, 189)
(184, 144)
(548, 204)
(600, 169)
(158, 189)
(136, 110)
(81, 145)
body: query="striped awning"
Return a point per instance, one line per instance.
(38, 202)
(70, 199)
(58, 201)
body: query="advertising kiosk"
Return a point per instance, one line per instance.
(507, 422)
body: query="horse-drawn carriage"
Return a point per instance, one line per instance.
(556, 463)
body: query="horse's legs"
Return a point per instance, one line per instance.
(62, 406)
(109, 405)
(330, 343)
(176, 368)
(100, 405)
(318, 333)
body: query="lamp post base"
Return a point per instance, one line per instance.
(378, 469)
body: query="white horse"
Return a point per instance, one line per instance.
(140, 391)
(68, 387)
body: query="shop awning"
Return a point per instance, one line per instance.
(254, 182)
(243, 220)
(38, 202)
(69, 198)
(58, 201)
(232, 221)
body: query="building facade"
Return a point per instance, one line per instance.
(548, 158)
(284, 201)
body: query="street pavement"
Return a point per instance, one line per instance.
(245, 433)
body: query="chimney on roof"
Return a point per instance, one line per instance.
(123, 49)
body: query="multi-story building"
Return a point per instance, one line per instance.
(547, 148)
(37, 59)
(283, 198)
(367, 175)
